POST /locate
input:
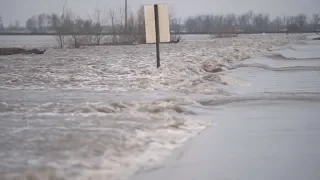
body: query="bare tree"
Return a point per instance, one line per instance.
(315, 21)
(207, 23)
(122, 20)
(218, 23)
(88, 28)
(42, 22)
(244, 20)
(97, 26)
(1, 25)
(175, 25)
(49, 21)
(32, 23)
(60, 26)
(290, 20)
(60, 37)
(126, 36)
(54, 22)
(14, 26)
(132, 30)
(69, 24)
(230, 20)
(112, 15)
(191, 24)
(61, 40)
(77, 29)
(17, 24)
(258, 21)
(301, 20)
(250, 17)
(141, 31)
(277, 23)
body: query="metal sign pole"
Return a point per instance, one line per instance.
(156, 18)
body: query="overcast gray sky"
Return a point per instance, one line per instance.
(21, 10)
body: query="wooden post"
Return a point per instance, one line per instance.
(156, 18)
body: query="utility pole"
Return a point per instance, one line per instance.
(126, 16)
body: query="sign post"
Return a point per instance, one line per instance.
(156, 19)
(157, 26)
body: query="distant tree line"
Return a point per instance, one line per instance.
(113, 21)
(250, 22)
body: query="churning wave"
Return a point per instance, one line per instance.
(279, 56)
(269, 68)
(93, 137)
(267, 96)
(309, 50)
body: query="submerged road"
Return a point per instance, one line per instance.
(270, 131)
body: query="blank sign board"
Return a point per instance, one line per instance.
(164, 25)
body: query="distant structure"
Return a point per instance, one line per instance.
(228, 32)
(293, 28)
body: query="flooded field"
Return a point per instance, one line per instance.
(107, 112)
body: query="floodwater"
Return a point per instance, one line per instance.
(268, 130)
(107, 112)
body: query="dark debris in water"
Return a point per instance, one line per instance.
(12, 51)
